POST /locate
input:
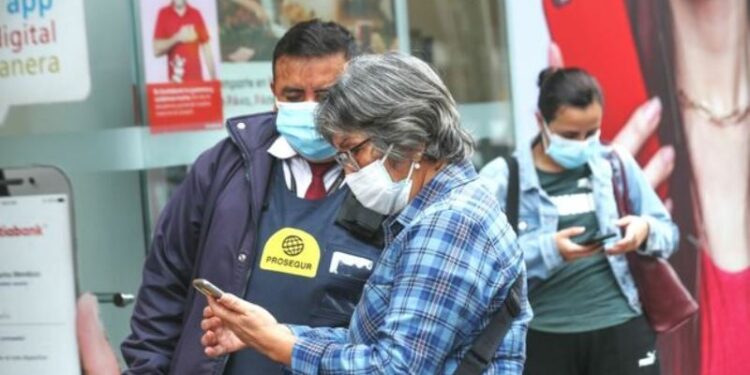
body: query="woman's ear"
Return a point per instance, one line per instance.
(418, 155)
(417, 159)
(539, 120)
(541, 123)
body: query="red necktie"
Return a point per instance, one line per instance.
(317, 188)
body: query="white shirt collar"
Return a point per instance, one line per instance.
(281, 149)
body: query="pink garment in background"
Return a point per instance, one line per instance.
(725, 320)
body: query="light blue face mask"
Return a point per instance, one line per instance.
(296, 122)
(569, 153)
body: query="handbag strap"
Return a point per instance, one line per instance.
(479, 356)
(619, 183)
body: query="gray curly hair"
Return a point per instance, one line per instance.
(397, 100)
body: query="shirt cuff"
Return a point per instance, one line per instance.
(650, 239)
(306, 356)
(550, 253)
(297, 330)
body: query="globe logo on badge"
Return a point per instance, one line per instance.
(292, 245)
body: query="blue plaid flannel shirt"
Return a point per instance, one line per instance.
(449, 262)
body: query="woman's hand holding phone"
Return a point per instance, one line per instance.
(636, 233)
(231, 324)
(598, 239)
(570, 250)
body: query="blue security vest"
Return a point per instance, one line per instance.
(307, 269)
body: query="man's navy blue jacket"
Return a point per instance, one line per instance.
(165, 328)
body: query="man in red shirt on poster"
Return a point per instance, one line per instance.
(181, 34)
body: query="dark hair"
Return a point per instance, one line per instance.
(315, 38)
(571, 87)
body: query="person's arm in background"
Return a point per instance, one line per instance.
(208, 57)
(157, 316)
(97, 356)
(204, 40)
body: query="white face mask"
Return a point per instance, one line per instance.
(374, 188)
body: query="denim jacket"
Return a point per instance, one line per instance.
(538, 218)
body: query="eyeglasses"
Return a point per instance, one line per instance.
(346, 158)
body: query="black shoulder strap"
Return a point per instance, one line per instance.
(479, 356)
(361, 222)
(512, 197)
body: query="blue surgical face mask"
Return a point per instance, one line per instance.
(570, 153)
(296, 122)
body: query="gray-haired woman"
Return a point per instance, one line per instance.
(450, 257)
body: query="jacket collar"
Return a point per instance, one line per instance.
(529, 180)
(253, 135)
(254, 132)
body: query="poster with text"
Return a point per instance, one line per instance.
(181, 63)
(43, 53)
(194, 49)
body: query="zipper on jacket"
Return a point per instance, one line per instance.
(222, 364)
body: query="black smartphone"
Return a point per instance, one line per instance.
(37, 272)
(207, 288)
(597, 239)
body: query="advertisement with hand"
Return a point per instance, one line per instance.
(181, 49)
(676, 81)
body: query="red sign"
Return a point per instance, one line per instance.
(184, 106)
(16, 231)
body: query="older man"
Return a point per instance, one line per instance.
(264, 215)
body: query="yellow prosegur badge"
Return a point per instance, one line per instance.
(291, 251)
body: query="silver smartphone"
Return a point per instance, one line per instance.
(207, 288)
(37, 273)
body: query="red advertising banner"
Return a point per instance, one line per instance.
(181, 63)
(676, 81)
(190, 46)
(184, 106)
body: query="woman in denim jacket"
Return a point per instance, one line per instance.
(587, 315)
